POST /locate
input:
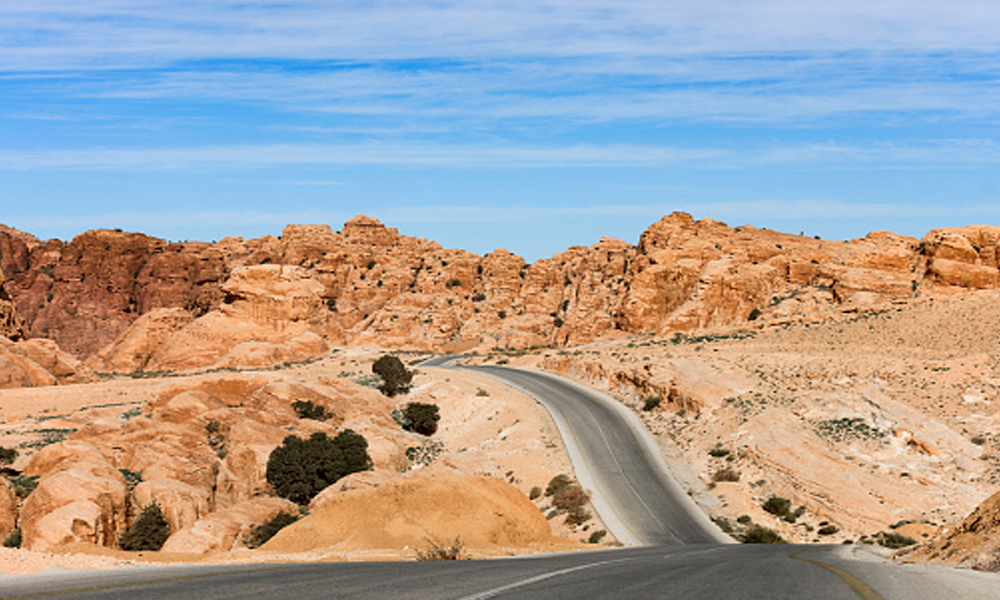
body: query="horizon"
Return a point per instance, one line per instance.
(532, 126)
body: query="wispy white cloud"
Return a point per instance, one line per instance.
(950, 153)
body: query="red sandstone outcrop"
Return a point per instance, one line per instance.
(199, 447)
(130, 302)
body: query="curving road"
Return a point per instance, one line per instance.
(680, 559)
(618, 461)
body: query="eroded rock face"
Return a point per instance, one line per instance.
(39, 362)
(130, 302)
(226, 530)
(80, 498)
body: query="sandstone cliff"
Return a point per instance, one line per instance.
(123, 300)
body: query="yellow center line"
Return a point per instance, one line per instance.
(856, 584)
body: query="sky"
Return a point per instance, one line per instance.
(530, 125)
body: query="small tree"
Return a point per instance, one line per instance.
(395, 376)
(421, 418)
(299, 469)
(148, 532)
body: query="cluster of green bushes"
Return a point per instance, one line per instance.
(300, 468)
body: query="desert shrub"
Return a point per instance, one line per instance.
(437, 549)
(299, 469)
(777, 506)
(718, 451)
(535, 493)
(305, 409)
(7, 455)
(651, 402)
(726, 474)
(132, 478)
(597, 536)
(260, 534)
(894, 540)
(724, 524)
(13, 539)
(395, 376)
(743, 519)
(216, 439)
(754, 315)
(148, 532)
(421, 418)
(24, 485)
(425, 453)
(557, 483)
(828, 530)
(570, 497)
(577, 515)
(762, 535)
(482, 393)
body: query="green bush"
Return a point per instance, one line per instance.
(299, 469)
(535, 493)
(148, 532)
(718, 451)
(597, 536)
(13, 539)
(305, 409)
(24, 485)
(777, 506)
(260, 534)
(894, 541)
(651, 402)
(421, 418)
(762, 535)
(828, 530)
(395, 376)
(7, 455)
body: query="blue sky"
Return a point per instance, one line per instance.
(526, 124)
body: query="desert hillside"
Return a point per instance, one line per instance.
(126, 302)
(91, 457)
(870, 422)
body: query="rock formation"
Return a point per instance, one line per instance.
(128, 302)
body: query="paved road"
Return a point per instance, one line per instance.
(682, 561)
(693, 572)
(616, 459)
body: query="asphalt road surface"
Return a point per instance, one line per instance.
(618, 461)
(696, 572)
(681, 557)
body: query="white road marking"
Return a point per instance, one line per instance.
(492, 593)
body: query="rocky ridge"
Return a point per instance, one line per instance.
(121, 301)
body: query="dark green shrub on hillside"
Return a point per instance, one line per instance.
(421, 418)
(395, 376)
(13, 539)
(7, 455)
(762, 535)
(305, 409)
(148, 532)
(777, 506)
(260, 534)
(299, 469)
(894, 541)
